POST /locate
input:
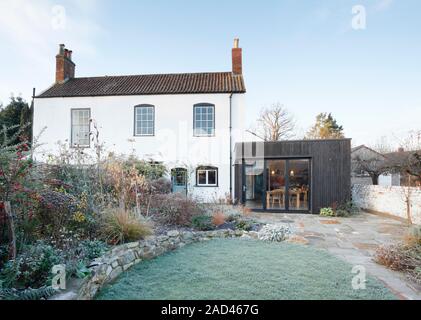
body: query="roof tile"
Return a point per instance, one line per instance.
(184, 83)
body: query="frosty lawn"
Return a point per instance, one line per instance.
(242, 269)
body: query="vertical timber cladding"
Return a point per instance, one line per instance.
(238, 182)
(330, 166)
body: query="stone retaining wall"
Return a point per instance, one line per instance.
(119, 259)
(389, 200)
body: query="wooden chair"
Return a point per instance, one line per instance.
(278, 195)
(274, 196)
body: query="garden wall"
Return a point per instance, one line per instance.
(389, 200)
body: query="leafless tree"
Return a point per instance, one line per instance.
(274, 123)
(373, 166)
(409, 164)
(382, 145)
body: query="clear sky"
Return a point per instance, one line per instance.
(303, 54)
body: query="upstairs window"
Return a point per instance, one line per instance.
(207, 177)
(204, 120)
(144, 120)
(80, 127)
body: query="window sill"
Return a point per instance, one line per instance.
(206, 186)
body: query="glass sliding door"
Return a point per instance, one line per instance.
(276, 184)
(253, 183)
(299, 184)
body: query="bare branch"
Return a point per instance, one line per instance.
(274, 124)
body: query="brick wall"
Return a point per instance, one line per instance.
(389, 200)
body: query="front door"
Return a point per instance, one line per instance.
(179, 180)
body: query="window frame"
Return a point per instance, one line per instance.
(135, 133)
(207, 169)
(73, 145)
(207, 105)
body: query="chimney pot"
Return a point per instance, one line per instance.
(61, 49)
(236, 43)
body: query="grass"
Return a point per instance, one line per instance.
(242, 269)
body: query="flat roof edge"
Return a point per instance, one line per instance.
(302, 140)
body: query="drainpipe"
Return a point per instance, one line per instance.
(32, 112)
(230, 130)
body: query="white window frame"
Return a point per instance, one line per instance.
(73, 125)
(141, 120)
(197, 132)
(206, 170)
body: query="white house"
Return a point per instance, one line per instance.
(189, 121)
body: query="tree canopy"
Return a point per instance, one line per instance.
(326, 127)
(17, 114)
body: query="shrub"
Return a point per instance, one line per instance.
(32, 267)
(78, 254)
(405, 257)
(161, 185)
(402, 257)
(151, 171)
(413, 237)
(56, 211)
(346, 209)
(327, 212)
(4, 253)
(121, 226)
(233, 217)
(218, 218)
(124, 181)
(274, 232)
(202, 222)
(27, 294)
(175, 209)
(88, 250)
(244, 224)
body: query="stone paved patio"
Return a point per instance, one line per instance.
(353, 240)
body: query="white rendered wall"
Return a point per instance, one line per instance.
(173, 142)
(389, 200)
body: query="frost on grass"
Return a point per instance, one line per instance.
(274, 232)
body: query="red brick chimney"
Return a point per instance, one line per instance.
(237, 58)
(65, 67)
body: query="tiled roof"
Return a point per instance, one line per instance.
(183, 83)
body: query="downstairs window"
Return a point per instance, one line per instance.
(207, 176)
